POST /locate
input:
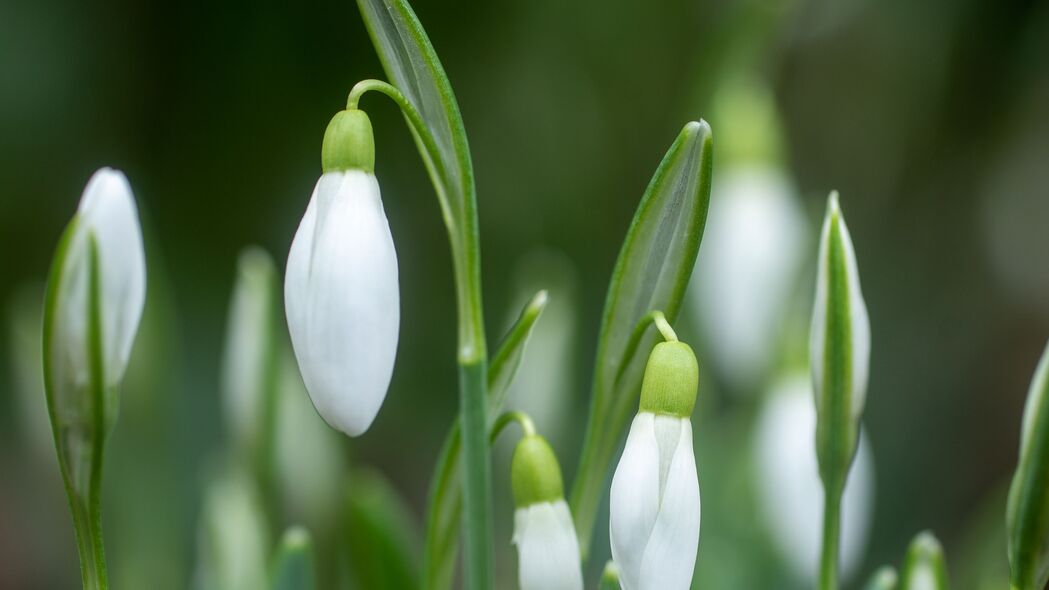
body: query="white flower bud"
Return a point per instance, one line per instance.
(342, 300)
(105, 232)
(547, 544)
(547, 547)
(654, 506)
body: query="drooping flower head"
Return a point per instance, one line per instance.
(341, 290)
(654, 506)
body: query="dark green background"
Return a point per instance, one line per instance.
(931, 118)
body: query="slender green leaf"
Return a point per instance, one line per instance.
(651, 273)
(924, 567)
(414, 69)
(445, 503)
(381, 540)
(883, 579)
(293, 567)
(1028, 512)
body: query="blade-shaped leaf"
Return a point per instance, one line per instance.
(413, 67)
(293, 564)
(924, 567)
(382, 542)
(651, 273)
(445, 504)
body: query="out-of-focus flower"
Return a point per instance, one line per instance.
(752, 250)
(789, 488)
(547, 545)
(249, 365)
(924, 567)
(654, 506)
(341, 289)
(234, 538)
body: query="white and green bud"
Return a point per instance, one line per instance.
(924, 567)
(610, 577)
(654, 502)
(341, 291)
(95, 296)
(547, 545)
(1027, 516)
(839, 351)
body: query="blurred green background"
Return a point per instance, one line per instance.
(931, 118)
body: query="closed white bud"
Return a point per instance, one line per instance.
(342, 300)
(654, 507)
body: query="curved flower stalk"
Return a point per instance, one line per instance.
(789, 487)
(1027, 517)
(95, 296)
(924, 567)
(654, 507)
(547, 546)
(341, 290)
(839, 355)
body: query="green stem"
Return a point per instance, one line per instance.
(476, 476)
(527, 426)
(831, 539)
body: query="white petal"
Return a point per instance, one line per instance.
(753, 246)
(634, 499)
(670, 556)
(789, 488)
(547, 547)
(342, 300)
(859, 320)
(107, 213)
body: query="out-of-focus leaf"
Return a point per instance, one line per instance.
(651, 273)
(381, 540)
(445, 503)
(1027, 516)
(293, 564)
(610, 577)
(234, 534)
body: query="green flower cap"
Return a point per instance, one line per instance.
(671, 380)
(348, 143)
(535, 475)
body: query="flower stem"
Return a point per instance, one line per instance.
(527, 426)
(831, 538)
(476, 476)
(464, 238)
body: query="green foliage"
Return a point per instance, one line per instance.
(382, 545)
(293, 567)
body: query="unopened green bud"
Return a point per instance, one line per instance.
(924, 567)
(671, 380)
(348, 143)
(535, 475)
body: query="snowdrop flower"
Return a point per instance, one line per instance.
(341, 290)
(94, 302)
(547, 545)
(654, 506)
(789, 488)
(840, 345)
(752, 250)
